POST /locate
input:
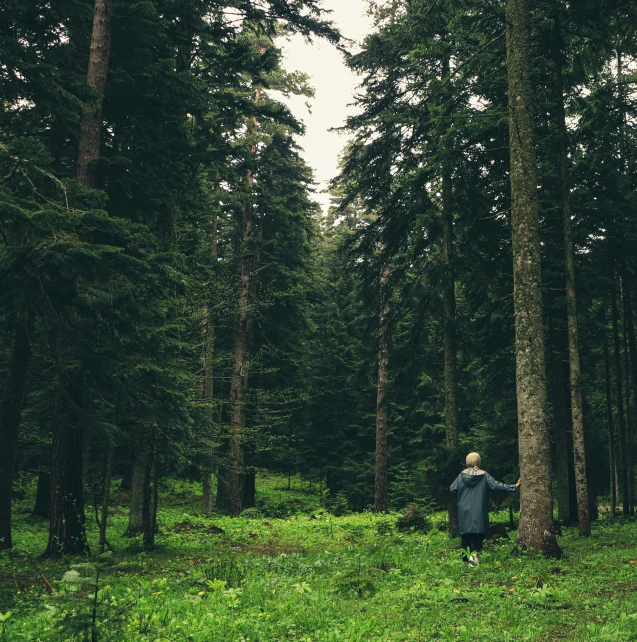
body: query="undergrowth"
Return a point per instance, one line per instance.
(293, 571)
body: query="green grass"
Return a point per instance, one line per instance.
(326, 579)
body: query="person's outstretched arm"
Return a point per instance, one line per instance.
(492, 484)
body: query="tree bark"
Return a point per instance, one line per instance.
(560, 426)
(209, 353)
(127, 478)
(108, 474)
(91, 123)
(631, 350)
(149, 503)
(206, 501)
(235, 449)
(536, 519)
(577, 415)
(449, 328)
(380, 486)
(10, 416)
(137, 492)
(611, 434)
(67, 534)
(623, 460)
(222, 499)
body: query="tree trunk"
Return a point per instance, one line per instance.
(42, 506)
(149, 504)
(449, 329)
(127, 478)
(209, 353)
(206, 502)
(380, 487)
(91, 123)
(235, 449)
(67, 534)
(108, 474)
(631, 348)
(248, 488)
(560, 426)
(577, 416)
(536, 519)
(611, 434)
(10, 416)
(137, 492)
(623, 461)
(222, 500)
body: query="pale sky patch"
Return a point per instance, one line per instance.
(335, 87)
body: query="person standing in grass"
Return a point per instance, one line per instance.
(472, 486)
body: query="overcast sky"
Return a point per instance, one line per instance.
(335, 86)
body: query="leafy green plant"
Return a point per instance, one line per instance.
(337, 504)
(230, 571)
(413, 520)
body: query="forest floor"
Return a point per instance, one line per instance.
(312, 577)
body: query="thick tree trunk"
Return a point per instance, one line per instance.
(235, 449)
(10, 416)
(137, 492)
(577, 416)
(248, 488)
(631, 347)
(108, 474)
(449, 329)
(536, 520)
(623, 454)
(239, 370)
(380, 486)
(222, 500)
(127, 478)
(91, 123)
(611, 434)
(67, 534)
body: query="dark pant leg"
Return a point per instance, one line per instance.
(477, 539)
(466, 543)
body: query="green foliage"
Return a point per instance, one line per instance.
(414, 520)
(307, 580)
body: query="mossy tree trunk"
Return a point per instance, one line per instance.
(577, 415)
(450, 343)
(91, 122)
(137, 489)
(380, 487)
(240, 364)
(67, 533)
(536, 520)
(621, 418)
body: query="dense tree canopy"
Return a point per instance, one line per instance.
(174, 302)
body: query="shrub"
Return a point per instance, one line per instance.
(338, 504)
(413, 520)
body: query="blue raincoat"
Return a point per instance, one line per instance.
(473, 509)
